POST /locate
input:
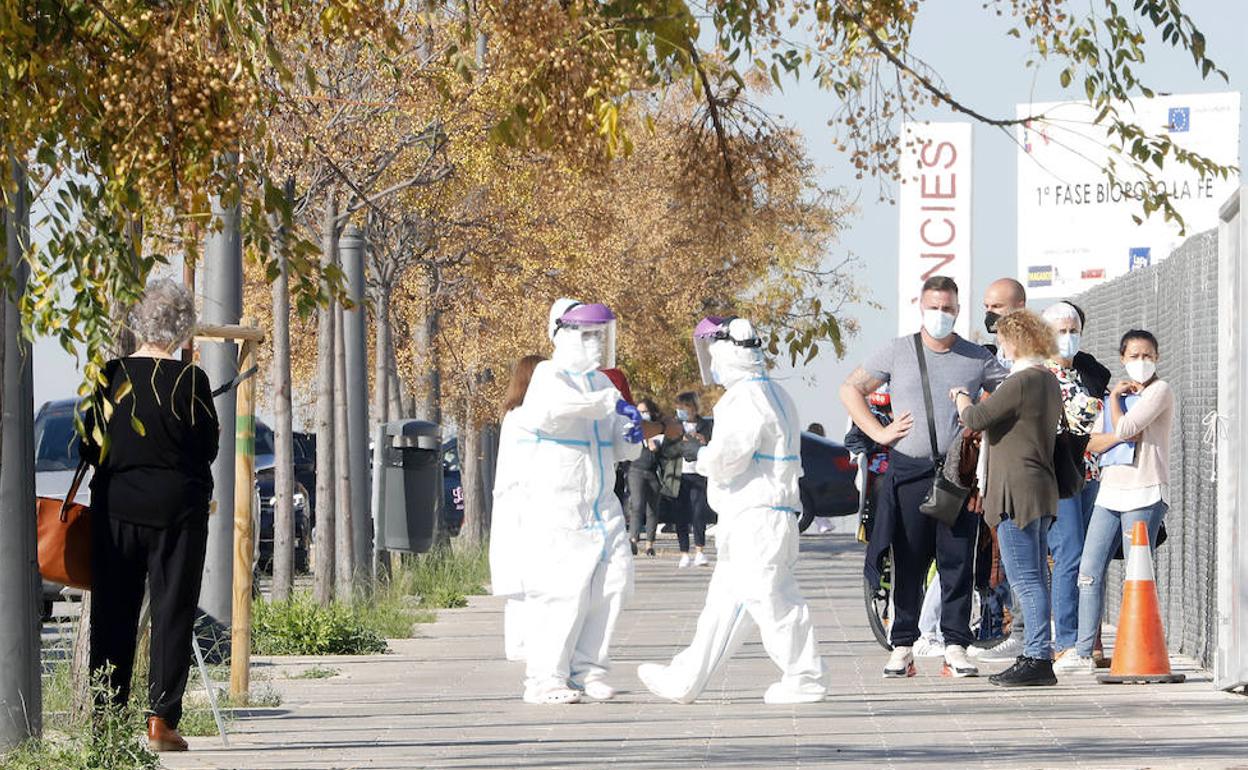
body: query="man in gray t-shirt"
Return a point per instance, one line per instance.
(914, 538)
(963, 365)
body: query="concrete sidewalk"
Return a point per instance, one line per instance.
(448, 699)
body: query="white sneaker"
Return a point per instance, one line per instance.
(684, 561)
(900, 664)
(927, 647)
(599, 690)
(956, 662)
(1071, 662)
(551, 693)
(700, 560)
(1010, 649)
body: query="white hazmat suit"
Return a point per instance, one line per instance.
(752, 465)
(507, 552)
(579, 567)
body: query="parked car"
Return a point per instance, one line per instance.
(305, 473)
(452, 487)
(827, 484)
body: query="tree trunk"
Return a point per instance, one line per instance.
(473, 532)
(283, 438)
(325, 479)
(394, 389)
(344, 562)
(381, 359)
(424, 337)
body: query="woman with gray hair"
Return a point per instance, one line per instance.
(151, 434)
(1084, 381)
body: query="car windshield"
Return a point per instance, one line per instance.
(56, 441)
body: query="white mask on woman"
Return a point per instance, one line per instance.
(1068, 344)
(1141, 370)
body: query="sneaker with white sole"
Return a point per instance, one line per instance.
(1009, 650)
(926, 647)
(900, 664)
(597, 689)
(684, 561)
(700, 560)
(781, 693)
(957, 663)
(1071, 662)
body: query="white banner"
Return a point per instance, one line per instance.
(1075, 228)
(935, 216)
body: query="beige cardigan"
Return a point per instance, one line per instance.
(1148, 421)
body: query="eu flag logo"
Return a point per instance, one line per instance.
(1180, 119)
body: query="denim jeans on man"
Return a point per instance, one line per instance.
(1066, 536)
(1025, 555)
(1098, 550)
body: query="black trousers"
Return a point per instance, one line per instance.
(124, 558)
(643, 504)
(916, 540)
(694, 511)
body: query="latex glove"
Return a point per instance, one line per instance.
(633, 434)
(625, 409)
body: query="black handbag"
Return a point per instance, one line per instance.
(1068, 464)
(946, 499)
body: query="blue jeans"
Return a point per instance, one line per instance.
(1066, 535)
(1025, 554)
(1105, 531)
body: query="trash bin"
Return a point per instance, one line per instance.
(410, 485)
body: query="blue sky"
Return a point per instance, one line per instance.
(985, 69)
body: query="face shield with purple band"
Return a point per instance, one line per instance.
(593, 329)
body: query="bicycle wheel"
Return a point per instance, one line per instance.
(879, 603)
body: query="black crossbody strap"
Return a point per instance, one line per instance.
(927, 396)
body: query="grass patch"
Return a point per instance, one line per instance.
(118, 740)
(300, 626)
(316, 672)
(444, 577)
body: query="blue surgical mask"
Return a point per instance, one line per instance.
(682, 414)
(1067, 345)
(938, 323)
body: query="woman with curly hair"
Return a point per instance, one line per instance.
(151, 434)
(1020, 424)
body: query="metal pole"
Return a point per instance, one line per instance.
(20, 696)
(355, 345)
(223, 304)
(244, 537)
(283, 438)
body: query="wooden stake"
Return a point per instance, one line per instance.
(244, 537)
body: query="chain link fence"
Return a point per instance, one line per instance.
(1177, 301)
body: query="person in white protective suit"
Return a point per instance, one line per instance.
(508, 556)
(576, 428)
(752, 465)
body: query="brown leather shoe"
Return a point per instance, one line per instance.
(162, 737)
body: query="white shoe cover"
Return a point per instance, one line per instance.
(599, 690)
(653, 676)
(781, 693)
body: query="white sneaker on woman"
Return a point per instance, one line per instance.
(684, 561)
(700, 560)
(1071, 662)
(927, 647)
(599, 690)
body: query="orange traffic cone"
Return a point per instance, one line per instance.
(1140, 650)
